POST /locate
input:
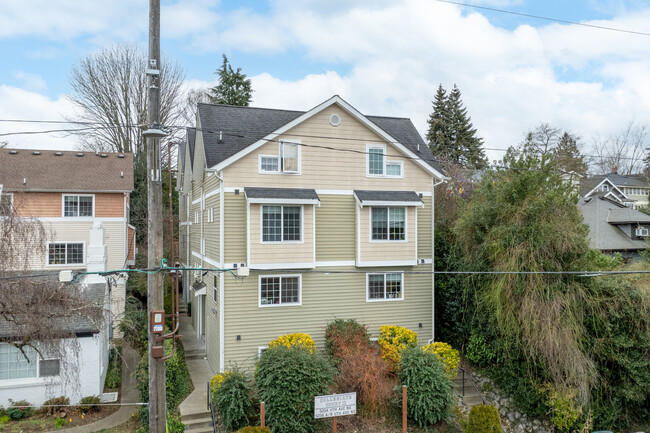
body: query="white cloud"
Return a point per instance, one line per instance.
(20, 104)
(31, 81)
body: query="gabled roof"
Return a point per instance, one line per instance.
(229, 132)
(67, 171)
(627, 216)
(378, 198)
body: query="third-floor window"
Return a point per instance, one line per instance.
(78, 205)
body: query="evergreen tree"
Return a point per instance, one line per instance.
(568, 155)
(233, 88)
(546, 141)
(451, 135)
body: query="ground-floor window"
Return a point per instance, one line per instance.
(280, 290)
(385, 286)
(16, 365)
(65, 253)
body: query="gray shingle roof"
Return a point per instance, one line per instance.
(397, 196)
(243, 126)
(191, 140)
(51, 170)
(282, 193)
(627, 215)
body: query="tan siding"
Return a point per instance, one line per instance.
(235, 228)
(424, 229)
(109, 205)
(39, 204)
(212, 324)
(281, 252)
(326, 168)
(324, 297)
(394, 250)
(211, 229)
(335, 228)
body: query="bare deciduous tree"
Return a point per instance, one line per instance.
(624, 150)
(109, 90)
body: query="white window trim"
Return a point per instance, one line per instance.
(38, 379)
(299, 156)
(385, 162)
(47, 254)
(259, 164)
(641, 231)
(401, 273)
(302, 225)
(388, 241)
(293, 304)
(63, 196)
(261, 349)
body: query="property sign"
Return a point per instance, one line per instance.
(327, 406)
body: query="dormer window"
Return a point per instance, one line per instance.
(642, 232)
(287, 161)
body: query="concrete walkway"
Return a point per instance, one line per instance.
(130, 394)
(199, 369)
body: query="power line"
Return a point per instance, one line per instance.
(539, 17)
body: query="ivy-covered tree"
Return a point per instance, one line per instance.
(233, 88)
(451, 135)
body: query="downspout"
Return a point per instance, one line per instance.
(433, 259)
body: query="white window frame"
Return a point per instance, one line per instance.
(11, 201)
(260, 350)
(280, 158)
(641, 232)
(47, 253)
(379, 241)
(385, 162)
(281, 277)
(63, 196)
(302, 224)
(368, 274)
(38, 375)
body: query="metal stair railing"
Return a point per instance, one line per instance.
(215, 429)
(469, 376)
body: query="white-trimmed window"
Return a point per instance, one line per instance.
(14, 365)
(286, 161)
(6, 204)
(385, 287)
(78, 206)
(65, 253)
(379, 166)
(388, 224)
(214, 288)
(642, 232)
(210, 214)
(280, 290)
(196, 217)
(281, 224)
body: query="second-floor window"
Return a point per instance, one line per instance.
(383, 287)
(77, 205)
(379, 166)
(287, 160)
(280, 290)
(388, 224)
(281, 223)
(65, 253)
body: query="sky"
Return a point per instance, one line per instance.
(384, 57)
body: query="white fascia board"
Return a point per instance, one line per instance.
(610, 183)
(282, 201)
(379, 263)
(390, 203)
(352, 111)
(200, 292)
(268, 266)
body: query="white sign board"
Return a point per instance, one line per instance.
(327, 406)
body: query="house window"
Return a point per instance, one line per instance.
(6, 204)
(77, 205)
(394, 168)
(269, 164)
(15, 365)
(289, 155)
(385, 287)
(642, 232)
(376, 161)
(281, 223)
(280, 290)
(388, 224)
(65, 253)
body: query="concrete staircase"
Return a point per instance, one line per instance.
(195, 354)
(470, 396)
(198, 422)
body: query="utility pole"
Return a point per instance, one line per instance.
(155, 292)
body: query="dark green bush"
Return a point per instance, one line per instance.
(89, 404)
(54, 405)
(232, 399)
(287, 379)
(114, 373)
(479, 352)
(429, 393)
(483, 419)
(250, 429)
(174, 424)
(19, 409)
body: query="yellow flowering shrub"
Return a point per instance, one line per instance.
(297, 339)
(394, 339)
(447, 354)
(217, 379)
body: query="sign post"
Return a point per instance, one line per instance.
(331, 406)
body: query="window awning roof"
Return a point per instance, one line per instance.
(387, 198)
(282, 195)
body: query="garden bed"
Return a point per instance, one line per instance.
(71, 417)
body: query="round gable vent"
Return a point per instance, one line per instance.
(335, 120)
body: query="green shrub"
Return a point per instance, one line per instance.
(340, 332)
(89, 403)
(251, 429)
(19, 409)
(483, 419)
(59, 423)
(4, 419)
(114, 373)
(54, 405)
(429, 393)
(479, 352)
(113, 379)
(174, 424)
(232, 399)
(287, 379)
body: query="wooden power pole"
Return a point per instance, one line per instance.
(155, 292)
